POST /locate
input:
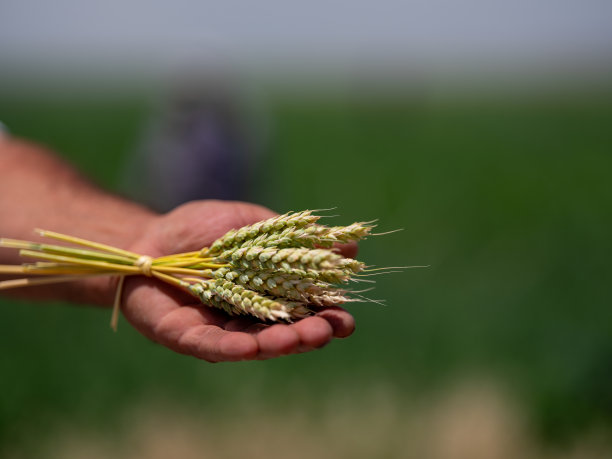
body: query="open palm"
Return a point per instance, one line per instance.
(180, 322)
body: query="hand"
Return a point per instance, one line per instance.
(179, 321)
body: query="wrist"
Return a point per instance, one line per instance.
(43, 191)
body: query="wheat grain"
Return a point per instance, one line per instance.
(272, 225)
(253, 303)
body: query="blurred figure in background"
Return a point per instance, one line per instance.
(199, 144)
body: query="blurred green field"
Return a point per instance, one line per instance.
(508, 201)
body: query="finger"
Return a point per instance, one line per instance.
(247, 213)
(208, 220)
(277, 340)
(342, 323)
(314, 332)
(348, 250)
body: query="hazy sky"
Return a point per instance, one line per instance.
(157, 34)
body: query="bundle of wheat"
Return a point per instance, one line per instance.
(275, 270)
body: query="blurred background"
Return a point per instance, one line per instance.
(482, 128)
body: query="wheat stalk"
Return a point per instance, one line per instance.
(274, 270)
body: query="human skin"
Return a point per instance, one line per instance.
(39, 190)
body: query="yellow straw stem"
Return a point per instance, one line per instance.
(82, 262)
(179, 255)
(211, 265)
(8, 269)
(86, 243)
(67, 251)
(49, 269)
(16, 243)
(177, 263)
(171, 279)
(117, 304)
(173, 270)
(194, 280)
(29, 282)
(66, 270)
